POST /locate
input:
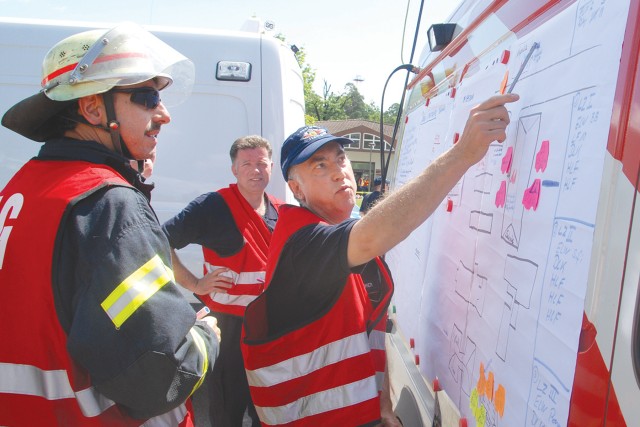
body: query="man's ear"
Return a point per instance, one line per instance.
(234, 170)
(91, 107)
(294, 186)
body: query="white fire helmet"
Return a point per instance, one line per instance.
(93, 62)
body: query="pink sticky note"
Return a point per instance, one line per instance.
(542, 158)
(501, 195)
(532, 196)
(506, 161)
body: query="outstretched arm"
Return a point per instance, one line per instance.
(383, 227)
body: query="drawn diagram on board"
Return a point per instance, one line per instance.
(520, 155)
(502, 292)
(518, 296)
(462, 361)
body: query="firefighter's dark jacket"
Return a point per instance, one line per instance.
(150, 359)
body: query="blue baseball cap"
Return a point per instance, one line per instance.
(378, 181)
(301, 145)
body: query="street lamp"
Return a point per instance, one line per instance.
(371, 145)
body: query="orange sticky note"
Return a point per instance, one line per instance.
(500, 400)
(488, 387)
(503, 85)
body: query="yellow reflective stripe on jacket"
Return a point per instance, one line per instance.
(136, 289)
(202, 347)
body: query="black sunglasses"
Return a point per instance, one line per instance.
(147, 97)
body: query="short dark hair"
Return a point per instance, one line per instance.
(66, 119)
(248, 142)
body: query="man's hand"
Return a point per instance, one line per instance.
(487, 123)
(216, 281)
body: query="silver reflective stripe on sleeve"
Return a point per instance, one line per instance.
(318, 403)
(51, 385)
(141, 285)
(304, 364)
(171, 418)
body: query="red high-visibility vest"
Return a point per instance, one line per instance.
(248, 265)
(323, 372)
(40, 385)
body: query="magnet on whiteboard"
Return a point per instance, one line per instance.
(463, 422)
(449, 205)
(505, 56)
(464, 71)
(406, 119)
(456, 137)
(436, 385)
(453, 92)
(426, 104)
(417, 359)
(412, 343)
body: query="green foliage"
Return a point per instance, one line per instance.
(328, 105)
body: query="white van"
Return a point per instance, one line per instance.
(247, 83)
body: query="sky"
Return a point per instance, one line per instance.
(344, 40)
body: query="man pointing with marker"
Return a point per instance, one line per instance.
(306, 349)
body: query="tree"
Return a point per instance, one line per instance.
(331, 106)
(391, 114)
(308, 78)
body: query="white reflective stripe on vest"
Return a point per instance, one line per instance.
(377, 340)
(242, 278)
(318, 403)
(141, 285)
(54, 385)
(304, 364)
(51, 385)
(226, 299)
(379, 380)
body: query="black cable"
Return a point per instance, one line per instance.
(384, 166)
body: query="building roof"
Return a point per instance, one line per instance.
(345, 127)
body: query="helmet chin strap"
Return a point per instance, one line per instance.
(113, 126)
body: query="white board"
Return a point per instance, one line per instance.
(491, 288)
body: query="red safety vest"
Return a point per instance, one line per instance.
(247, 266)
(40, 385)
(323, 372)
